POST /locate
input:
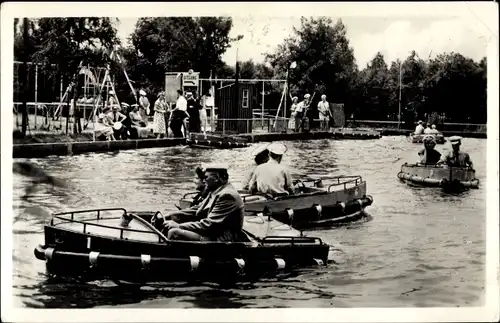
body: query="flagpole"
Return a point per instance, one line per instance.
(399, 103)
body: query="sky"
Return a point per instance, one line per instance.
(393, 37)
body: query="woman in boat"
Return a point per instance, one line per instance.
(221, 212)
(261, 156)
(428, 155)
(456, 158)
(159, 127)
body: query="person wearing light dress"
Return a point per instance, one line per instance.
(159, 126)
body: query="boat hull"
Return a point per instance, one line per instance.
(341, 203)
(103, 249)
(418, 139)
(216, 142)
(452, 178)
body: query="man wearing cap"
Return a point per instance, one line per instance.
(434, 130)
(219, 217)
(428, 155)
(419, 129)
(455, 157)
(301, 110)
(272, 178)
(427, 129)
(261, 156)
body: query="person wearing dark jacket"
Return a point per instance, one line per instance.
(193, 109)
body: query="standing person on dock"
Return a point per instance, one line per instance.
(303, 108)
(159, 127)
(272, 178)
(178, 115)
(193, 109)
(261, 156)
(144, 106)
(221, 213)
(324, 113)
(455, 157)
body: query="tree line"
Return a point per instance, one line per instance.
(449, 85)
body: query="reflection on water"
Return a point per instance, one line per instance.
(423, 247)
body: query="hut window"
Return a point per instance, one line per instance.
(245, 98)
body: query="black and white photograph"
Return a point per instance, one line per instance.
(271, 161)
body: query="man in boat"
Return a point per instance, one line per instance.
(200, 187)
(428, 155)
(218, 218)
(427, 129)
(434, 130)
(261, 156)
(419, 129)
(272, 178)
(456, 158)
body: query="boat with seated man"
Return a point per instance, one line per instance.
(317, 203)
(441, 175)
(112, 243)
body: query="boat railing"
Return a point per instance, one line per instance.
(192, 194)
(69, 217)
(355, 180)
(440, 166)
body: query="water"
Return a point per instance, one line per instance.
(423, 247)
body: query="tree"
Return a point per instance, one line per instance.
(325, 61)
(374, 83)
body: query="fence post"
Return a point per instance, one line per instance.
(36, 93)
(223, 126)
(248, 126)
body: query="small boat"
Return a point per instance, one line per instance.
(112, 243)
(418, 139)
(343, 201)
(449, 178)
(216, 142)
(350, 133)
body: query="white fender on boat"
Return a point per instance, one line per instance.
(318, 262)
(280, 262)
(93, 258)
(241, 264)
(195, 262)
(145, 260)
(49, 252)
(290, 214)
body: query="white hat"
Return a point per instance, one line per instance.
(215, 167)
(111, 92)
(277, 148)
(295, 98)
(307, 96)
(189, 94)
(433, 126)
(141, 92)
(323, 96)
(455, 140)
(259, 149)
(419, 121)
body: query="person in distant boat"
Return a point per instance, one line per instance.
(455, 157)
(272, 178)
(427, 129)
(428, 155)
(221, 212)
(261, 156)
(434, 130)
(419, 129)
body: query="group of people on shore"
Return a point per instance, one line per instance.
(303, 115)
(124, 121)
(216, 213)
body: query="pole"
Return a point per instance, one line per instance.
(36, 92)
(399, 103)
(262, 108)
(24, 124)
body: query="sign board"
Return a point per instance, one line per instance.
(172, 84)
(190, 79)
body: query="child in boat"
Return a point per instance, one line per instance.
(261, 156)
(221, 212)
(456, 158)
(428, 155)
(272, 178)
